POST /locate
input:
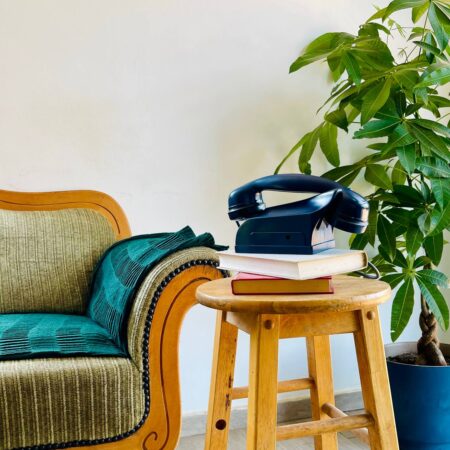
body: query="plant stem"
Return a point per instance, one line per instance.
(428, 346)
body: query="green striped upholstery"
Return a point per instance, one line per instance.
(47, 258)
(60, 400)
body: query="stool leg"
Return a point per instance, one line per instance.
(263, 383)
(319, 364)
(222, 374)
(374, 381)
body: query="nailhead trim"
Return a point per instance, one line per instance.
(145, 376)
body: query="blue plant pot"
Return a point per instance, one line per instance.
(421, 398)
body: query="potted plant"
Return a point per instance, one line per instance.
(396, 100)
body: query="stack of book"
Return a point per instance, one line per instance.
(289, 274)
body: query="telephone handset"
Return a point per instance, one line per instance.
(301, 227)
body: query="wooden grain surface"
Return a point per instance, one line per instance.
(350, 293)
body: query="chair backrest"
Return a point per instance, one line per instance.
(49, 246)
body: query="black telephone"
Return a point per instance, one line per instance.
(301, 227)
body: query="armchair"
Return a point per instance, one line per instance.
(49, 245)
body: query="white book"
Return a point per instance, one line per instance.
(295, 267)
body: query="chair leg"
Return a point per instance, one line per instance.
(319, 364)
(263, 383)
(222, 375)
(374, 381)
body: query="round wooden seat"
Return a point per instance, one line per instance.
(350, 294)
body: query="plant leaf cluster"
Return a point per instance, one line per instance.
(397, 102)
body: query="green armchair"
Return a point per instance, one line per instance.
(49, 246)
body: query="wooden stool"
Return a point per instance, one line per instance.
(353, 308)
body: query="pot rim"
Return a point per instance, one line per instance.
(407, 346)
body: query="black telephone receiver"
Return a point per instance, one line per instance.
(302, 227)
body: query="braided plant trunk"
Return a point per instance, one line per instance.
(429, 352)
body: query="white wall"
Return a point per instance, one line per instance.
(167, 105)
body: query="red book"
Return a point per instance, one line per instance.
(249, 283)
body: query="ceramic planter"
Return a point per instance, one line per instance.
(421, 397)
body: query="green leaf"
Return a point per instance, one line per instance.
(338, 118)
(418, 12)
(320, 48)
(352, 67)
(441, 190)
(431, 141)
(412, 108)
(391, 110)
(339, 172)
(433, 167)
(434, 277)
(443, 8)
(291, 152)
(373, 53)
(407, 157)
(378, 15)
(439, 220)
(386, 236)
(348, 179)
(435, 17)
(397, 5)
(400, 260)
(398, 175)
(309, 145)
(375, 98)
(372, 222)
(436, 76)
(439, 101)
(421, 261)
(400, 137)
(424, 222)
(402, 308)
(393, 279)
(376, 174)
(435, 301)
(359, 241)
(414, 240)
(432, 125)
(434, 246)
(376, 128)
(428, 47)
(408, 196)
(400, 216)
(328, 143)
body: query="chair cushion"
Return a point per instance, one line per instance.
(33, 335)
(62, 400)
(47, 259)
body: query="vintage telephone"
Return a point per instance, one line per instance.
(301, 227)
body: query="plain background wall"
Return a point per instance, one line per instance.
(168, 106)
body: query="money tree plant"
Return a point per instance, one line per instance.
(390, 90)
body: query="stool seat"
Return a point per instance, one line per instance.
(350, 294)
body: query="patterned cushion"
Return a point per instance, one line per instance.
(60, 400)
(47, 258)
(32, 335)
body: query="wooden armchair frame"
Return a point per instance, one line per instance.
(160, 428)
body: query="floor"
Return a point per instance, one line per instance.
(237, 442)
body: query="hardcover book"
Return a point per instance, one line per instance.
(295, 267)
(248, 283)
